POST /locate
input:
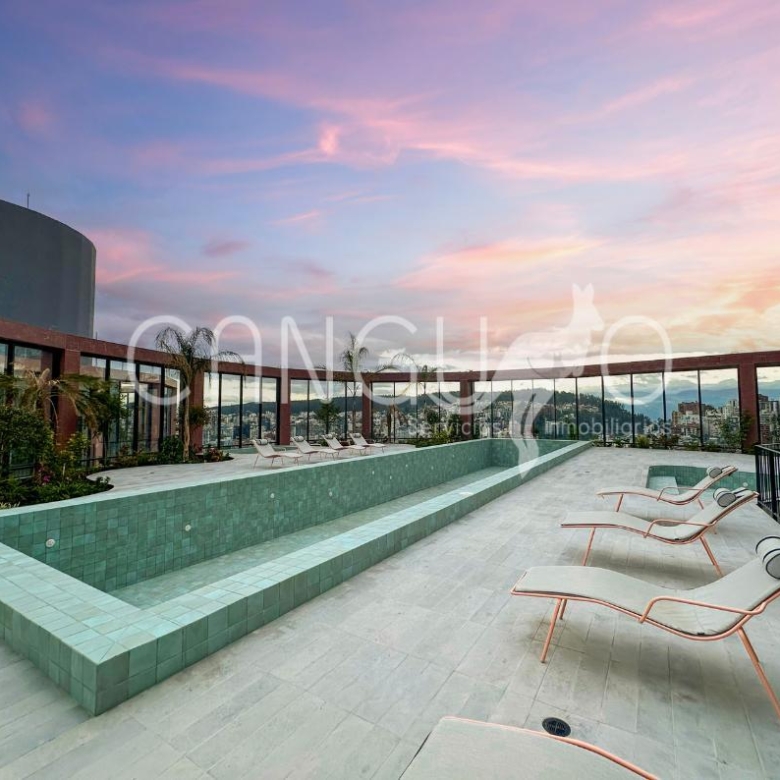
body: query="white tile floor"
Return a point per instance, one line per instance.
(348, 685)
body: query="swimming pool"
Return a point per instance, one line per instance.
(111, 594)
(660, 476)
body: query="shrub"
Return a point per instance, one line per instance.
(214, 455)
(25, 438)
(171, 450)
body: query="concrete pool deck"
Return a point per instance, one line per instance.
(349, 684)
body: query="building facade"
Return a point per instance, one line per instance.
(693, 401)
(47, 272)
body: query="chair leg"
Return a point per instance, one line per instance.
(587, 549)
(558, 604)
(759, 670)
(711, 556)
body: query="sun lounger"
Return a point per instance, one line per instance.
(310, 450)
(361, 442)
(462, 749)
(267, 452)
(705, 614)
(667, 494)
(669, 531)
(338, 447)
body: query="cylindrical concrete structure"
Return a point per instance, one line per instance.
(47, 272)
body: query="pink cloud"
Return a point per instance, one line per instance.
(329, 140)
(645, 94)
(704, 19)
(125, 255)
(459, 270)
(305, 217)
(224, 247)
(35, 117)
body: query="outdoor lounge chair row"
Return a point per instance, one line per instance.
(334, 449)
(458, 749)
(706, 613)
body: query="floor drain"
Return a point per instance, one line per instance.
(556, 727)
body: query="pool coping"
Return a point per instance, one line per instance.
(103, 650)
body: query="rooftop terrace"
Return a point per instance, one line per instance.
(349, 684)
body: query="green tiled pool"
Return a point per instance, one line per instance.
(109, 595)
(661, 476)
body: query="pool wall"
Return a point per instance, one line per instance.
(110, 542)
(104, 650)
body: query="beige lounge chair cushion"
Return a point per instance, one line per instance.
(669, 497)
(466, 750)
(713, 475)
(745, 588)
(607, 519)
(711, 514)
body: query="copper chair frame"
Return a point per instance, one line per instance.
(568, 740)
(644, 617)
(727, 471)
(698, 537)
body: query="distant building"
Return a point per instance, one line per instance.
(47, 272)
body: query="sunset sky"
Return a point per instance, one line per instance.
(447, 158)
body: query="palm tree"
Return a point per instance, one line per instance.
(327, 414)
(352, 358)
(192, 355)
(38, 392)
(423, 374)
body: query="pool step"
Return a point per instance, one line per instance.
(165, 587)
(103, 650)
(662, 481)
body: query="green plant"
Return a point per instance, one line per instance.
(12, 492)
(171, 449)
(214, 455)
(352, 359)
(642, 442)
(25, 437)
(67, 462)
(664, 441)
(125, 458)
(328, 413)
(192, 355)
(733, 431)
(199, 416)
(145, 458)
(39, 392)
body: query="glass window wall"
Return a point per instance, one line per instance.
(768, 381)
(683, 408)
(720, 413)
